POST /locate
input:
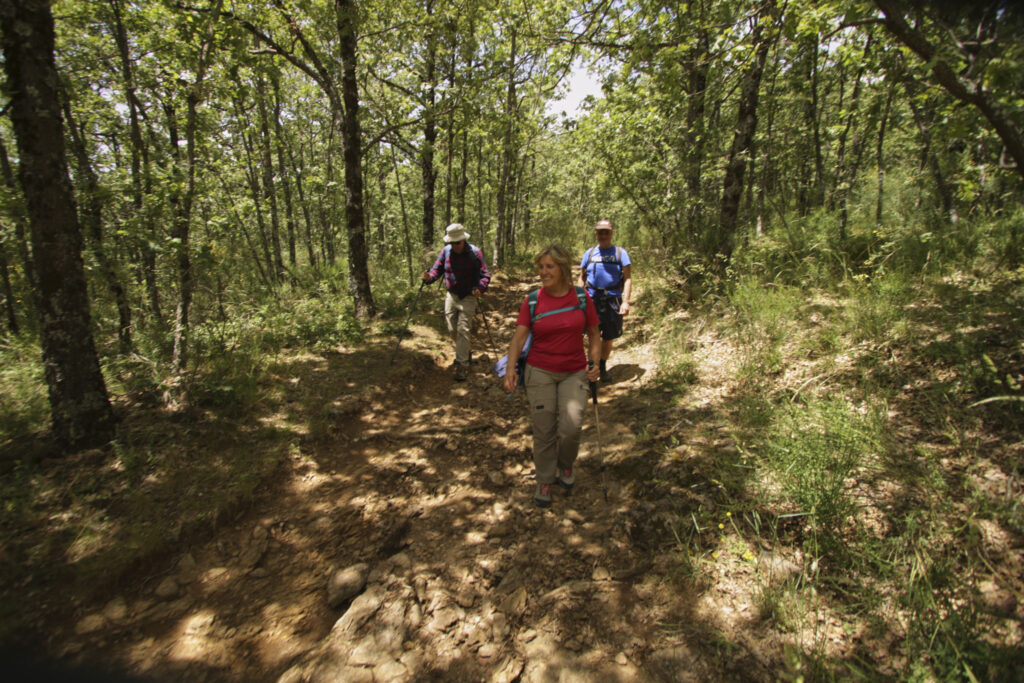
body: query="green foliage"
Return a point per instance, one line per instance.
(676, 366)
(24, 406)
(763, 314)
(812, 450)
(875, 311)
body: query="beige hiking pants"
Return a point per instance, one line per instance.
(557, 401)
(458, 313)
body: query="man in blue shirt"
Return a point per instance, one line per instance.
(466, 277)
(604, 271)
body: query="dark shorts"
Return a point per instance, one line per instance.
(608, 313)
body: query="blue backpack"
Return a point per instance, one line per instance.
(501, 367)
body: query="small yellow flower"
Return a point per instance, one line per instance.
(728, 514)
(715, 554)
(721, 526)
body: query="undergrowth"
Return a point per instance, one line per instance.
(877, 400)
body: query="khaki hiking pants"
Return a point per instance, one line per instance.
(557, 401)
(458, 313)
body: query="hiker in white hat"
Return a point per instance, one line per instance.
(466, 277)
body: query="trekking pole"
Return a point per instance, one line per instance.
(407, 319)
(487, 324)
(597, 421)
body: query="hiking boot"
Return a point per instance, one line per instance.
(460, 374)
(565, 479)
(606, 376)
(542, 497)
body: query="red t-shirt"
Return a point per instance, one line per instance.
(558, 339)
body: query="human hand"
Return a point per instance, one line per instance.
(511, 380)
(477, 293)
(624, 309)
(425, 276)
(593, 372)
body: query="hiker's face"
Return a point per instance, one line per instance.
(549, 272)
(459, 247)
(604, 237)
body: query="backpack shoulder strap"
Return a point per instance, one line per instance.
(581, 295)
(618, 255)
(532, 303)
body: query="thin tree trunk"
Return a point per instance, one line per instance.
(183, 204)
(80, 408)
(880, 153)
(930, 158)
(429, 134)
(92, 220)
(267, 166)
(961, 88)
(746, 126)
(5, 275)
(359, 275)
(405, 218)
(19, 218)
(284, 170)
(306, 217)
(507, 164)
(139, 167)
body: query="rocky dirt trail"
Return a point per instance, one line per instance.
(400, 542)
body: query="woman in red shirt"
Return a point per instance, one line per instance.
(556, 369)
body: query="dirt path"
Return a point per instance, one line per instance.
(424, 485)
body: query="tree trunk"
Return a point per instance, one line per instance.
(182, 204)
(961, 88)
(507, 165)
(746, 125)
(694, 139)
(429, 135)
(930, 158)
(285, 171)
(5, 276)
(880, 154)
(306, 217)
(405, 218)
(358, 272)
(92, 219)
(139, 167)
(268, 185)
(80, 407)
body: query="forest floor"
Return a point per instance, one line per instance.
(399, 540)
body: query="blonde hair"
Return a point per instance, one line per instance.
(560, 255)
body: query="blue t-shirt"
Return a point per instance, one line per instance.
(603, 270)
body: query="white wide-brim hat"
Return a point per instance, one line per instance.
(455, 233)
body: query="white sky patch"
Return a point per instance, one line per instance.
(581, 84)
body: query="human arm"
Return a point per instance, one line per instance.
(484, 278)
(594, 342)
(627, 288)
(515, 348)
(435, 270)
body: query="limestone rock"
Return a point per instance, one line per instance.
(167, 589)
(346, 583)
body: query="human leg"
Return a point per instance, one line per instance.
(572, 402)
(542, 393)
(466, 308)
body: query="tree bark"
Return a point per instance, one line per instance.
(429, 134)
(746, 125)
(141, 180)
(358, 272)
(961, 88)
(92, 219)
(81, 410)
(186, 165)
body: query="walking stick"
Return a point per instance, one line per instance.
(597, 421)
(487, 324)
(407, 319)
